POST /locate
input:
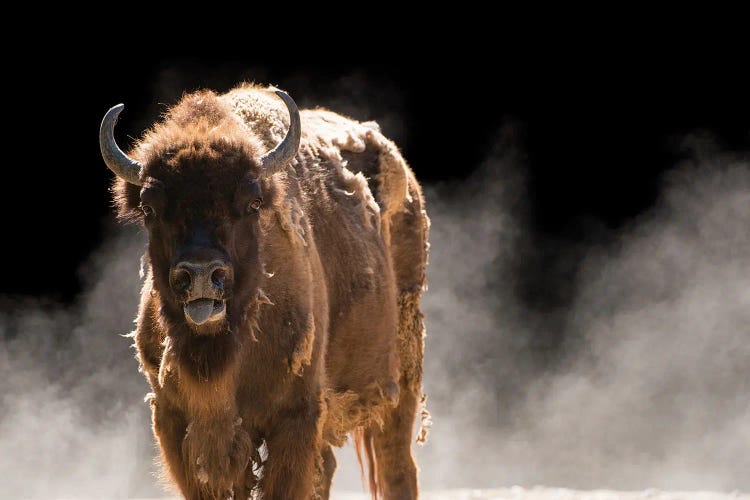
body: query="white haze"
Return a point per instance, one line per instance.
(72, 417)
(650, 388)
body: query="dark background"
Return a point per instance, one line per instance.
(595, 133)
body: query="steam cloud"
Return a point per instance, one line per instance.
(72, 421)
(646, 385)
(651, 387)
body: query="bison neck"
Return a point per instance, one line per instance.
(203, 368)
(204, 357)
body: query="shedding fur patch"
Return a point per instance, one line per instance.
(302, 355)
(251, 313)
(392, 180)
(167, 361)
(353, 186)
(292, 220)
(150, 398)
(338, 424)
(350, 140)
(348, 411)
(425, 421)
(411, 336)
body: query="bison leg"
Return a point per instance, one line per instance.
(169, 429)
(293, 454)
(396, 469)
(326, 476)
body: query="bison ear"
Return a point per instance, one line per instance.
(127, 200)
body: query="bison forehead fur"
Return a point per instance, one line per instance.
(324, 335)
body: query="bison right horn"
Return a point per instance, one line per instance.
(117, 161)
(280, 156)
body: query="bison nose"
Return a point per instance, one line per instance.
(200, 279)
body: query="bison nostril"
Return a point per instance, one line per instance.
(218, 277)
(182, 281)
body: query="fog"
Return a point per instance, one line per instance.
(72, 420)
(636, 376)
(650, 384)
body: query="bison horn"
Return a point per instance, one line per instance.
(117, 161)
(280, 156)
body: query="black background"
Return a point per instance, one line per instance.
(596, 131)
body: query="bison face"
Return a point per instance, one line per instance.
(204, 245)
(197, 183)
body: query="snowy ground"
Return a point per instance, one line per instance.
(541, 493)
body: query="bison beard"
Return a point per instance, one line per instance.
(281, 305)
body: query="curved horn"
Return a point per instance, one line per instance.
(280, 156)
(117, 161)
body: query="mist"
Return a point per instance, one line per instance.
(72, 418)
(649, 382)
(636, 375)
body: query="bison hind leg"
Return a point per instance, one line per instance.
(386, 449)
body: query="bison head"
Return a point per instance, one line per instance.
(199, 182)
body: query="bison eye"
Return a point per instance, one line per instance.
(254, 205)
(147, 209)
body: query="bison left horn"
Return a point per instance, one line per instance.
(280, 156)
(117, 161)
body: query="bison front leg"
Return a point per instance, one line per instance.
(169, 427)
(216, 452)
(293, 456)
(328, 465)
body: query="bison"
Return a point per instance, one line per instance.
(280, 311)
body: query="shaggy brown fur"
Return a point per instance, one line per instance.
(323, 335)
